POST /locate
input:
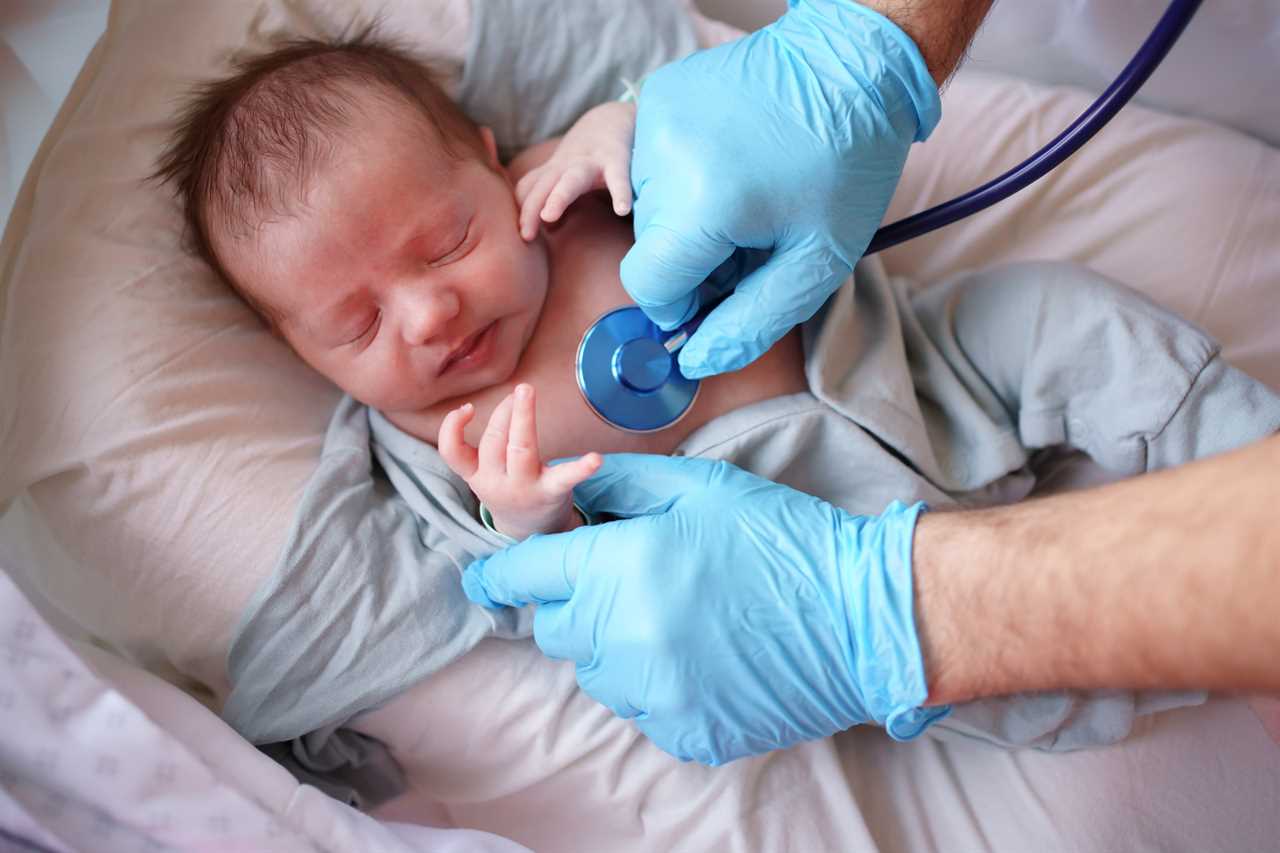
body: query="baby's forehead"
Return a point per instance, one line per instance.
(384, 172)
(358, 105)
(353, 120)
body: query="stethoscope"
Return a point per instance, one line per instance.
(627, 367)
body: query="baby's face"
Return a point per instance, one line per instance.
(402, 277)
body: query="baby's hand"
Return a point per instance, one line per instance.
(507, 474)
(595, 154)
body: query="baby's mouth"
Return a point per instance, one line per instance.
(467, 348)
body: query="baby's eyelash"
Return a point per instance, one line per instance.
(449, 255)
(372, 327)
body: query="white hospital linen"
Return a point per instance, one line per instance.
(96, 755)
(528, 756)
(1197, 779)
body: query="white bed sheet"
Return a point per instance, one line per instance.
(99, 755)
(1200, 779)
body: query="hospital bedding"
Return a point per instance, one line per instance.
(503, 740)
(111, 758)
(180, 777)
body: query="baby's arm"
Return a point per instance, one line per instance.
(506, 471)
(594, 155)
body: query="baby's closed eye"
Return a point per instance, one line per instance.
(368, 329)
(454, 249)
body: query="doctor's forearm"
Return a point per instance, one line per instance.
(1169, 580)
(942, 29)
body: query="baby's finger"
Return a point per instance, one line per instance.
(575, 181)
(452, 443)
(525, 184)
(493, 442)
(617, 177)
(522, 443)
(533, 203)
(560, 479)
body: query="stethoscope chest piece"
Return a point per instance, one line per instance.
(628, 377)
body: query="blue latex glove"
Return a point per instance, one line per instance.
(791, 139)
(728, 615)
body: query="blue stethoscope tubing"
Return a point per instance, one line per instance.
(626, 367)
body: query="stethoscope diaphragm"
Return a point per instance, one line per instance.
(629, 376)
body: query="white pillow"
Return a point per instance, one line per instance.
(165, 437)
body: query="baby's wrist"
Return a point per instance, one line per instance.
(570, 518)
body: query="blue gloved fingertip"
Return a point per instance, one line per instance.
(668, 322)
(473, 586)
(695, 369)
(696, 362)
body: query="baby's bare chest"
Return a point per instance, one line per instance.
(584, 253)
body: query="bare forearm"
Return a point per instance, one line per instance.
(1168, 580)
(942, 29)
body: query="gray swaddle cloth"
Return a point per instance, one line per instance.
(942, 396)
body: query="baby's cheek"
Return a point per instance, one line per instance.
(535, 273)
(381, 386)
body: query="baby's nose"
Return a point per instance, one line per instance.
(426, 312)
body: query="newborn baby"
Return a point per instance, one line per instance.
(382, 239)
(375, 230)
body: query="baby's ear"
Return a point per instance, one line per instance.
(490, 147)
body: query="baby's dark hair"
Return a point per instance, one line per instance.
(244, 148)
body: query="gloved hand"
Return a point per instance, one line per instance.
(791, 139)
(728, 615)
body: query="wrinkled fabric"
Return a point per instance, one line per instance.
(952, 395)
(944, 396)
(532, 70)
(366, 597)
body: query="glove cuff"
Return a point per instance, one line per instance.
(878, 50)
(888, 665)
